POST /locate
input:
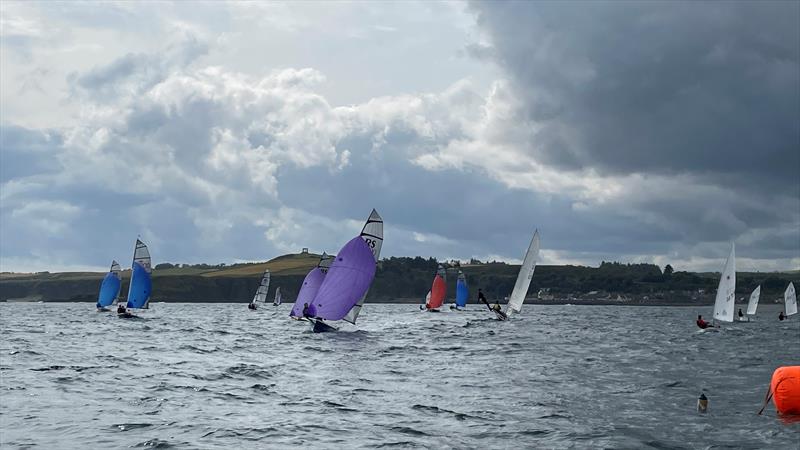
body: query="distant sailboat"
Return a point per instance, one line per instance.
(517, 298)
(344, 288)
(141, 285)
(310, 287)
(438, 292)
(726, 291)
(278, 297)
(790, 300)
(261, 293)
(462, 292)
(752, 305)
(109, 288)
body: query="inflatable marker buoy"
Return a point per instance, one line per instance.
(784, 390)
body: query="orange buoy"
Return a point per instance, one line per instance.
(785, 389)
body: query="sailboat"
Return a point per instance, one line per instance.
(462, 292)
(752, 305)
(141, 285)
(310, 287)
(344, 289)
(517, 298)
(261, 293)
(790, 300)
(438, 292)
(726, 291)
(278, 297)
(109, 288)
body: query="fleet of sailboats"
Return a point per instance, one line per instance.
(336, 288)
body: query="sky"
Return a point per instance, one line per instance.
(655, 132)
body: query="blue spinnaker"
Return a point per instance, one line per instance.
(109, 289)
(462, 293)
(139, 291)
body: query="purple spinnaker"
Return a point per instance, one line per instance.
(308, 291)
(347, 281)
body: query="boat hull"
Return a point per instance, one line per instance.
(322, 327)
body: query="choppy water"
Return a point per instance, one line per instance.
(220, 376)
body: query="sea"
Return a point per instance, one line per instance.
(208, 376)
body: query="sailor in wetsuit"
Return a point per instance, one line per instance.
(251, 305)
(482, 298)
(306, 312)
(702, 323)
(740, 315)
(121, 309)
(781, 316)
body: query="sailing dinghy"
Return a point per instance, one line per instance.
(752, 304)
(109, 288)
(438, 292)
(790, 300)
(462, 292)
(310, 287)
(141, 284)
(261, 293)
(724, 304)
(278, 297)
(344, 288)
(517, 298)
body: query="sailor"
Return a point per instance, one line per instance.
(120, 309)
(306, 312)
(482, 298)
(251, 305)
(740, 314)
(781, 316)
(702, 323)
(496, 306)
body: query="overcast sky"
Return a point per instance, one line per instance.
(225, 132)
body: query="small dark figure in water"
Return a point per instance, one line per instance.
(121, 309)
(740, 314)
(781, 316)
(251, 306)
(306, 312)
(702, 323)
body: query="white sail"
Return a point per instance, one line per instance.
(261, 292)
(141, 255)
(278, 297)
(115, 269)
(753, 303)
(524, 278)
(790, 300)
(726, 291)
(372, 233)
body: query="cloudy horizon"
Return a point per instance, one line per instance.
(652, 132)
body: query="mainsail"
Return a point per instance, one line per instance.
(726, 291)
(753, 303)
(790, 300)
(438, 289)
(524, 277)
(261, 292)
(311, 284)
(109, 288)
(372, 234)
(140, 287)
(348, 279)
(462, 293)
(278, 297)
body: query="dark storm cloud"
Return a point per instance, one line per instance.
(711, 89)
